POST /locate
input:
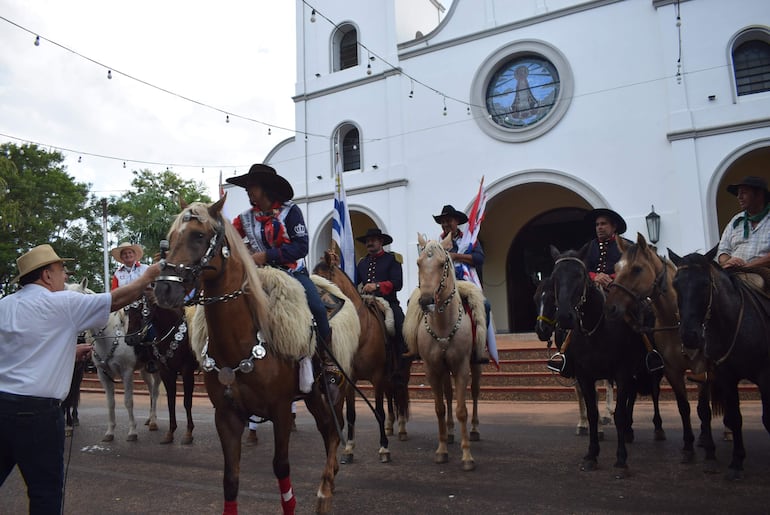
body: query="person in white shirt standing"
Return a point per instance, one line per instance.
(38, 325)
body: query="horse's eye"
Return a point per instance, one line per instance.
(636, 270)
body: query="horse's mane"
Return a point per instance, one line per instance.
(252, 284)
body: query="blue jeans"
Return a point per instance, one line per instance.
(314, 303)
(32, 437)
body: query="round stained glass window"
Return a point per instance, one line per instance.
(522, 92)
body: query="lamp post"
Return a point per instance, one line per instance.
(653, 226)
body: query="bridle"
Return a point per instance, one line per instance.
(441, 307)
(583, 296)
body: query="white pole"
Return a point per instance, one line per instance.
(105, 245)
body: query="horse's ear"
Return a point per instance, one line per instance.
(711, 254)
(447, 241)
(555, 253)
(84, 283)
(421, 240)
(216, 207)
(674, 257)
(640, 241)
(583, 252)
(183, 203)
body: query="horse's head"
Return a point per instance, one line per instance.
(435, 271)
(640, 275)
(545, 301)
(694, 286)
(570, 286)
(139, 314)
(81, 287)
(196, 240)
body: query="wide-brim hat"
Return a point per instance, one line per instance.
(266, 177)
(126, 245)
(375, 232)
(620, 224)
(38, 257)
(451, 211)
(752, 181)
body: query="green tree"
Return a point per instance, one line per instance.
(42, 203)
(146, 212)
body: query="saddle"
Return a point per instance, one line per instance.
(382, 305)
(331, 302)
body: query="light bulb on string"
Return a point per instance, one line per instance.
(37, 40)
(444, 106)
(124, 164)
(80, 159)
(469, 110)
(312, 16)
(369, 69)
(411, 91)
(269, 132)
(109, 74)
(227, 118)
(203, 170)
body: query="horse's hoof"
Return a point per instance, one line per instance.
(442, 457)
(469, 465)
(403, 436)
(346, 458)
(581, 431)
(388, 431)
(323, 505)
(621, 472)
(152, 426)
(660, 435)
(108, 438)
(385, 457)
(475, 436)
(588, 465)
(727, 436)
(734, 475)
(450, 438)
(710, 467)
(167, 438)
(132, 438)
(187, 440)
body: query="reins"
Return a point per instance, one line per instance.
(583, 296)
(441, 307)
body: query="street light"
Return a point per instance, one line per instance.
(653, 225)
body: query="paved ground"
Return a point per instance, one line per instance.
(527, 462)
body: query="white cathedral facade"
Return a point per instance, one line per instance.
(561, 105)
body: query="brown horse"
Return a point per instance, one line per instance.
(259, 327)
(644, 278)
(171, 348)
(439, 329)
(376, 360)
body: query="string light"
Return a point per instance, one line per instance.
(679, 34)
(109, 74)
(444, 106)
(369, 68)
(469, 110)
(227, 118)
(312, 16)
(411, 91)
(80, 159)
(269, 132)
(37, 40)
(124, 164)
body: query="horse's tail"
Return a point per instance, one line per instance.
(412, 319)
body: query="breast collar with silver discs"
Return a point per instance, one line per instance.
(226, 375)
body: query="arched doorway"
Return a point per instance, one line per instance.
(529, 258)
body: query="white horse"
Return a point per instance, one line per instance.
(113, 358)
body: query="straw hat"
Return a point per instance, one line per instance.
(38, 257)
(126, 245)
(751, 181)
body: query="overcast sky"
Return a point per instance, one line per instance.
(236, 55)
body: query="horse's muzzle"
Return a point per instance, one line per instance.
(169, 294)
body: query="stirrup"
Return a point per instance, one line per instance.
(653, 361)
(557, 363)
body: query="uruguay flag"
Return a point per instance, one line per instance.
(342, 230)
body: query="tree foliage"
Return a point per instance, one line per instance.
(42, 203)
(146, 212)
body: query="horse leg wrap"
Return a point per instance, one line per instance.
(288, 501)
(231, 508)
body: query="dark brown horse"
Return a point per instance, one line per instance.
(643, 278)
(376, 361)
(257, 335)
(171, 349)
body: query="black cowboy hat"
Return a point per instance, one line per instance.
(375, 232)
(451, 211)
(620, 224)
(752, 181)
(266, 177)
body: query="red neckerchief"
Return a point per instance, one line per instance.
(459, 235)
(275, 232)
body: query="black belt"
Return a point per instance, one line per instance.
(29, 400)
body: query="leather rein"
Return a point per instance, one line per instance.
(583, 296)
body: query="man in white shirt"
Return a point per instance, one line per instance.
(746, 239)
(38, 325)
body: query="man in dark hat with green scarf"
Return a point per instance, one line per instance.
(746, 238)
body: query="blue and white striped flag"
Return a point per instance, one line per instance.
(342, 230)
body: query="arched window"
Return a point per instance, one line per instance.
(348, 140)
(751, 62)
(345, 47)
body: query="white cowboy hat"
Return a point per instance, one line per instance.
(126, 245)
(38, 257)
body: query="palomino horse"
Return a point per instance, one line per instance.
(259, 327)
(643, 278)
(114, 359)
(545, 302)
(439, 329)
(376, 359)
(171, 349)
(728, 320)
(599, 348)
